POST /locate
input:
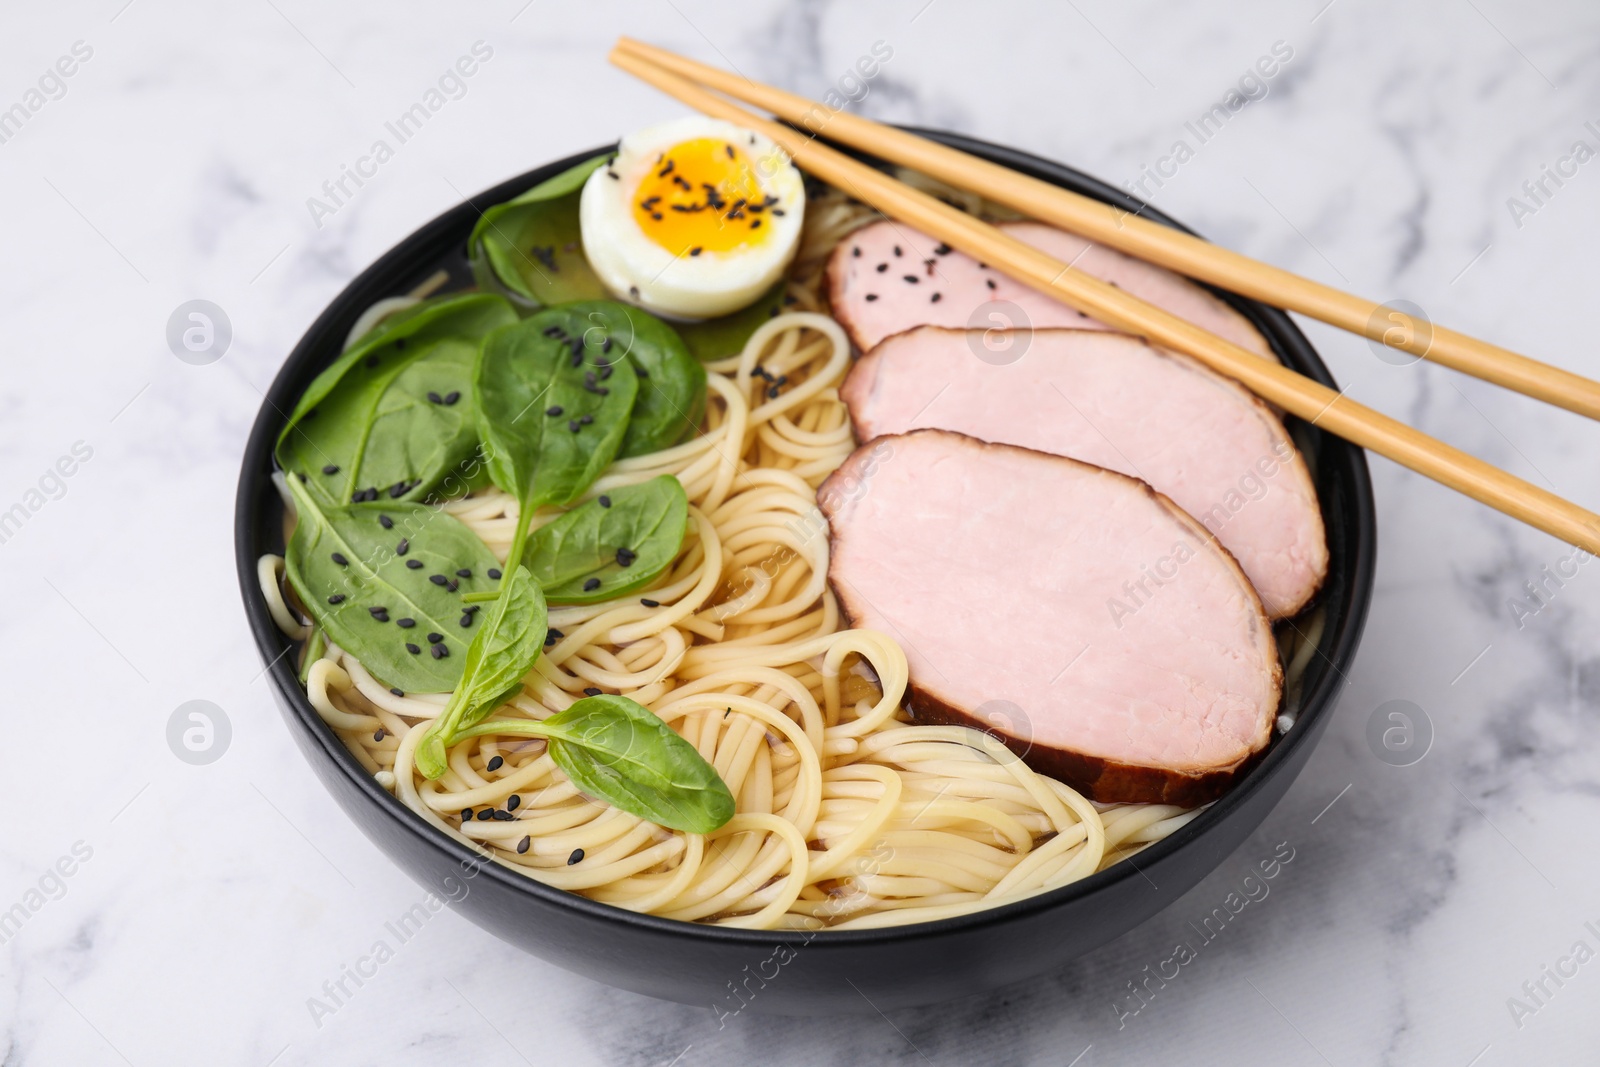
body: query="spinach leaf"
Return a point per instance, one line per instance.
(351, 567)
(531, 248)
(713, 339)
(615, 749)
(553, 398)
(316, 644)
(641, 524)
(501, 655)
(392, 418)
(672, 383)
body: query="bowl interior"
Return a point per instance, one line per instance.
(1340, 473)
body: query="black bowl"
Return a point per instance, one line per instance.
(798, 973)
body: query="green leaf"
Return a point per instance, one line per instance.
(502, 653)
(648, 520)
(672, 383)
(615, 749)
(394, 414)
(375, 575)
(527, 370)
(713, 339)
(531, 248)
(316, 645)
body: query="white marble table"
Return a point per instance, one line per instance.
(206, 905)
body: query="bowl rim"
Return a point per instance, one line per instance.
(383, 278)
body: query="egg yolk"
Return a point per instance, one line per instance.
(703, 196)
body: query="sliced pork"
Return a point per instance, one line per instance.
(885, 278)
(1071, 611)
(1119, 403)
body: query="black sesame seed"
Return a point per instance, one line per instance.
(626, 556)
(647, 602)
(553, 410)
(414, 564)
(439, 651)
(413, 649)
(397, 691)
(513, 802)
(337, 598)
(403, 547)
(882, 267)
(466, 620)
(551, 636)
(756, 225)
(464, 572)
(935, 298)
(856, 251)
(378, 611)
(330, 469)
(871, 297)
(942, 249)
(772, 393)
(496, 763)
(591, 692)
(911, 279)
(386, 522)
(640, 371)
(398, 490)
(586, 420)
(466, 813)
(438, 579)
(574, 425)
(695, 251)
(614, 176)
(577, 855)
(471, 609)
(434, 639)
(633, 291)
(485, 814)
(338, 558)
(990, 282)
(591, 585)
(522, 846)
(435, 398)
(503, 816)
(553, 331)
(897, 250)
(494, 572)
(452, 396)
(406, 624)
(605, 501)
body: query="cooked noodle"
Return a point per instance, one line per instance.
(849, 816)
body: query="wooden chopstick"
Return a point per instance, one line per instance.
(1301, 396)
(1151, 241)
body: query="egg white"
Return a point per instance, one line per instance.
(638, 270)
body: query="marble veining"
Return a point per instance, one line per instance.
(208, 904)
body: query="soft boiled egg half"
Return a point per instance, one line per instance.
(693, 219)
